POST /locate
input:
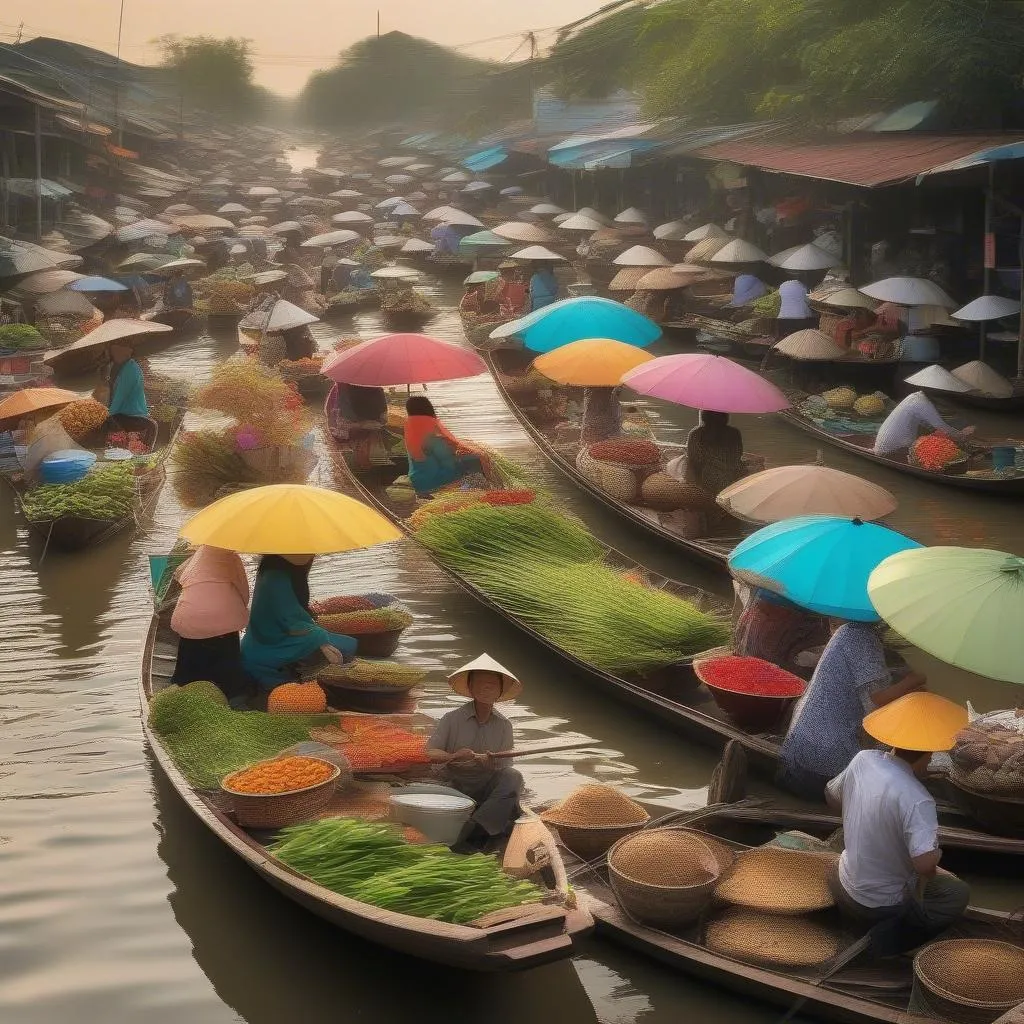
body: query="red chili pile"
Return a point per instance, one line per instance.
(752, 676)
(522, 497)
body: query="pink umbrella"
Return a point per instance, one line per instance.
(402, 359)
(703, 381)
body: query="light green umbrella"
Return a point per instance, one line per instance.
(483, 241)
(482, 277)
(965, 606)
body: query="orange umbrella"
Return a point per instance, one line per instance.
(29, 400)
(591, 363)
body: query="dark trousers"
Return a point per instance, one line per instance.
(913, 922)
(497, 798)
(217, 659)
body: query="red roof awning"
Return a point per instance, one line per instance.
(868, 159)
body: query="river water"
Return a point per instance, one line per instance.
(117, 906)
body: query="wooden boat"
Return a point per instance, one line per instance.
(524, 938)
(186, 323)
(978, 400)
(709, 550)
(477, 329)
(860, 444)
(406, 319)
(854, 994)
(673, 695)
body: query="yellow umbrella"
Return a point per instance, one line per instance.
(592, 363)
(289, 519)
(917, 721)
(29, 400)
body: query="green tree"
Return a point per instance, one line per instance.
(215, 75)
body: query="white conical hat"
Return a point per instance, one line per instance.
(936, 378)
(982, 378)
(988, 307)
(459, 679)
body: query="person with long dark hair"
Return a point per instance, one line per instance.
(436, 457)
(129, 409)
(282, 632)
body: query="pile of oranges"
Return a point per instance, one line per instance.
(285, 775)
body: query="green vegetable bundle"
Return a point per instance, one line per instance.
(362, 672)
(546, 570)
(106, 492)
(205, 461)
(372, 863)
(207, 739)
(21, 336)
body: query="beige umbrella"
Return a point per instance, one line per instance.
(631, 216)
(706, 248)
(520, 231)
(705, 231)
(282, 316)
(843, 298)
(910, 291)
(739, 251)
(580, 222)
(186, 263)
(983, 378)
(673, 231)
(664, 279)
(204, 222)
(75, 303)
(111, 330)
(810, 345)
(234, 208)
(537, 252)
(641, 256)
(788, 491)
(627, 279)
(47, 281)
(351, 217)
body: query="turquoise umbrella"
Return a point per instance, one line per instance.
(578, 319)
(821, 563)
(483, 241)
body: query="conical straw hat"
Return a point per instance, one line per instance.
(917, 721)
(459, 679)
(983, 378)
(810, 345)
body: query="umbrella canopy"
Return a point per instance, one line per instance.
(389, 241)
(547, 210)
(821, 563)
(395, 273)
(632, 215)
(981, 377)
(289, 519)
(589, 211)
(804, 257)
(351, 217)
(739, 251)
(55, 303)
(96, 284)
(539, 253)
(810, 345)
(570, 320)
(592, 363)
(399, 179)
(478, 186)
(268, 277)
(204, 222)
(143, 261)
(402, 359)
(418, 245)
(25, 258)
(789, 491)
(45, 281)
(919, 721)
(846, 298)
(404, 209)
(672, 231)
(182, 264)
(579, 222)
(703, 381)
(627, 279)
(111, 330)
(286, 227)
(282, 316)
(705, 231)
(142, 229)
(520, 231)
(341, 237)
(456, 178)
(455, 218)
(482, 277)
(262, 191)
(987, 307)
(962, 605)
(30, 400)
(396, 161)
(345, 193)
(391, 201)
(909, 291)
(229, 208)
(483, 240)
(641, 256)
(512, 190)
(937, 377)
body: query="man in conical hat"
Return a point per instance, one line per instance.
(465, 740)
(888, 874)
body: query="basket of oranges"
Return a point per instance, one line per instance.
(282, 791)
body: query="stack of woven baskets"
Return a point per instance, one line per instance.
(620, 466)
(769, 893)
(972, 981)
(593, 817)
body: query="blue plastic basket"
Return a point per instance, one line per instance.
(66, 467)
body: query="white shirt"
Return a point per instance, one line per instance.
(888, 818)
(900, 428)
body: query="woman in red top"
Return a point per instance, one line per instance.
(512, 295)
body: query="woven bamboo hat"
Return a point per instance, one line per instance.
(596, 806)
(771, 940)
(779, 881)
(511, 687)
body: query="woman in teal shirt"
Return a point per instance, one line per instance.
(281, 630)
(129, 410)
(435, 458)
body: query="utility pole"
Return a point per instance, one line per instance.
(378, 23)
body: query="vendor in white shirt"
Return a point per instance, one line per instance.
(902, 427)
(888, 874)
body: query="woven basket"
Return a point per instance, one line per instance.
(276, 810)
(594, 817)
(618, 481)
(778, 881)
(969, 980)
(954, 468)
(667, 494)
(377, 645)
(665, 877)
(752, 712)
(771, 941)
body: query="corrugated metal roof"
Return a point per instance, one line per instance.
(869, 160)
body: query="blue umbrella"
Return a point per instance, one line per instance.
(96, 284)
(571, 320)
(821, 563)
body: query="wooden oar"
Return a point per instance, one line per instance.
(553, 748)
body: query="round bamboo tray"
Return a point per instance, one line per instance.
(276, 810)
(771, 941)
(774, 880)
(665, 877)
(972, 981)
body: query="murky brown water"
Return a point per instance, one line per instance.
(116, 905)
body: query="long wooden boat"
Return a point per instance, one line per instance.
(978, 400)
(712, 551)
(673, 696)
(529, 937)
(860, 444)
(856, 993)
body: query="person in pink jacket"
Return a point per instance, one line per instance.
(212, 609)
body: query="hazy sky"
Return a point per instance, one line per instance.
(291, 38)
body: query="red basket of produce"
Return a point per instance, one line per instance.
(938, 453)
(754, 693)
